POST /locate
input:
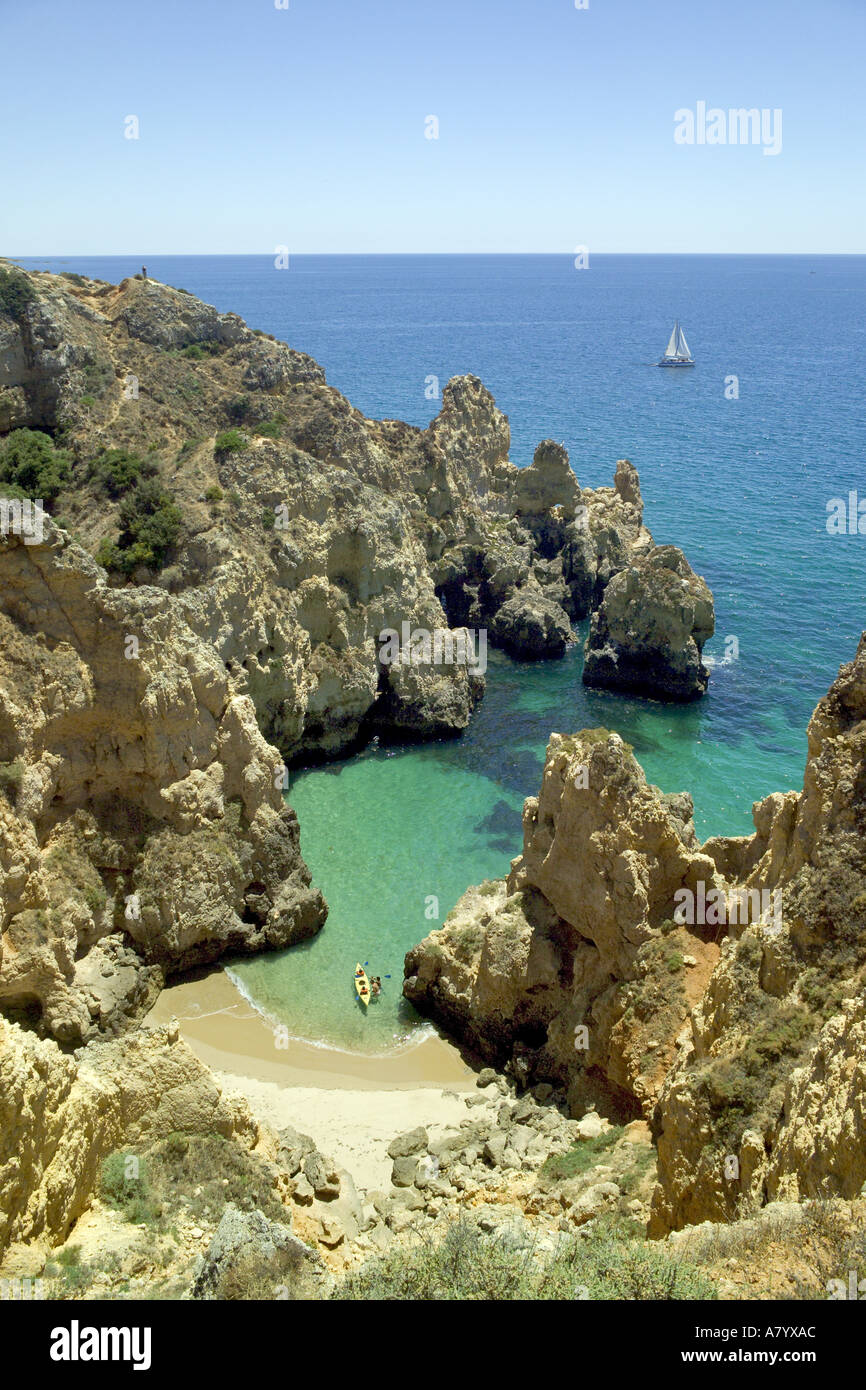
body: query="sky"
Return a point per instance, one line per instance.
(306, 127)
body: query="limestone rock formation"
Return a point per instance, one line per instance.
(770, 1084)
(60, 1116)
(740, 1032)
(573, 969)
(649, 630)
(142, 825)
(249, 1247)
(310, 528)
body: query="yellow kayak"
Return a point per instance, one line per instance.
(362, 986)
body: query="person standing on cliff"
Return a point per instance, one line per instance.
(144, 271)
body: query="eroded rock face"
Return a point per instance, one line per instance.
(572, 970)
(142, 825)
(769, 1083)
(741, 1039)
(650, 628)
(60, 1116)
(330, 527)
(248, 1246)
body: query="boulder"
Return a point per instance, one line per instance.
(414, 1141)
(649, 630)
(253, 1257)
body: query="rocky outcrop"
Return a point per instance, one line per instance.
(573, 970)
(315, 528)
(60, 1116)
(530, 577)
(767, 1096)
(649, 630)
(717, 987)
(142, 825)
(250, 1251)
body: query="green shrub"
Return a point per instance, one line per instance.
(10, 777)
(467, 1265)
(738, 1087)
(29, 460)
(196, 352)
(214, 494)
(271, 429)
(584, 1155)
(128, 1193)
(151, 523)
(16, 292)
(229, 442)
(468, 941)
(239, 409)
(117, 470)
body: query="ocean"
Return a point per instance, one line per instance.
(738, 460)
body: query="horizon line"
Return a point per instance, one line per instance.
(133, 255)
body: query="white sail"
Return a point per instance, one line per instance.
(677, 348)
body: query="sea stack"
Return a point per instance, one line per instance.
(649, 631)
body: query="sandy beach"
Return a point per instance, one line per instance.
(352, 1105)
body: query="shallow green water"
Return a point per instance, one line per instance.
(387, 831)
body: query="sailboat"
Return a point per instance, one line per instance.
(677, 352)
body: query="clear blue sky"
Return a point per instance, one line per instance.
(304, 127)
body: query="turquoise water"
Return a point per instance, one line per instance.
(742, 485)
(388, 832)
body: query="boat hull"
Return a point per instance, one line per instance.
(674, 363)
(362, 981)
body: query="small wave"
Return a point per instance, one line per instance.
(401, 1044)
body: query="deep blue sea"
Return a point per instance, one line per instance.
(742, 485)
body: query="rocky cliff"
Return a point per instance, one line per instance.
(143, 824)
(293, 529)
(255, 539)
(768, 1096)
(572, 970)
(60, 1117)
(715, 988)
(649, 630)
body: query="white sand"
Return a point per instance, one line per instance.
(350, 1104)
(352, 1127)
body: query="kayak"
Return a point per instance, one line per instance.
(362, 986)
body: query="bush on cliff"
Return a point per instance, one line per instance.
(16, 292)
(151, 523)
(742, 1090)
(30, 462)
(467, 1265)
(229, 442)
(118, 470)
(11, 776)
